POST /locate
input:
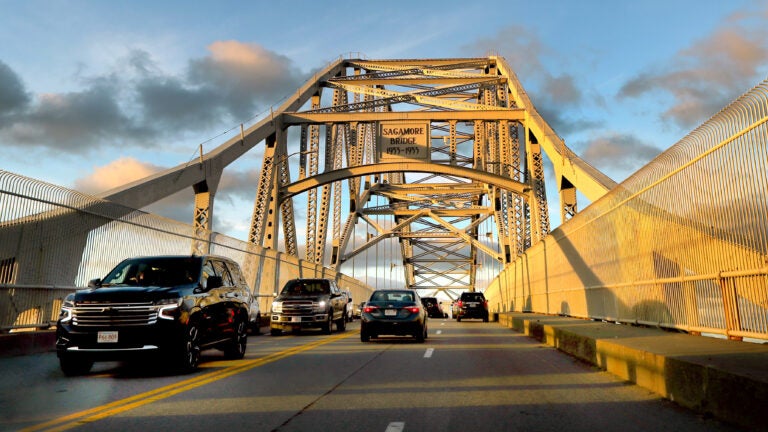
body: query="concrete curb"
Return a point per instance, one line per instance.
(24, 343)
(722, 378)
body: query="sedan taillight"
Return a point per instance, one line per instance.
(412, 309)
(369, 309)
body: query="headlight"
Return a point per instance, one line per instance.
(277, 307)
(320, 306)
(65, 315)
(168, 308)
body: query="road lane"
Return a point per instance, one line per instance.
(478, 376)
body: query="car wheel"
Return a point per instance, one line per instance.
(256, 326)
(75, 366)
(328, 324)
(458, 319)
(485, 318)
(364, 336)
(421, 334)
(341, 324)
(235, 349)
(189, 354)
(275, 332)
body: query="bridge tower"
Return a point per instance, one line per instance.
(424, 151)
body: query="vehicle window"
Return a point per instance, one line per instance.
(392, 296)
(207, 272)
(306, 287)
(237, 275)
(160, 271)
(221, 270)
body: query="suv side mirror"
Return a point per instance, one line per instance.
(94, 283)
(214, 282)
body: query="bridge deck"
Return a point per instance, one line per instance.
(722, 378)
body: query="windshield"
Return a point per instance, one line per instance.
(155, 271)
(306, 287)
(389, 296)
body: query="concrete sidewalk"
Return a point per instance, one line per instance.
(718, 377)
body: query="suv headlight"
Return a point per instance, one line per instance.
(277, 307)
(65, 314)
(168, 308)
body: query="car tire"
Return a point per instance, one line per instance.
(341, 324)
(188, 355)
(458, 319)
(72, 366)
(485, 318)
(235, 349)
(256, 326)
(275, 332)
(421, 334)
(328, 325)
(364, 336)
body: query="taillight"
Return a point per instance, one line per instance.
(460, 303)
(369, 309)
(485, 304)
(412, 309)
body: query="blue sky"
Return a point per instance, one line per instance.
(97, 93)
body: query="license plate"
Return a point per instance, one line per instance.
(471, 304)
(390, 312)
(295, 319)
(106, 337)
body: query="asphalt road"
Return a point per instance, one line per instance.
(468, 376)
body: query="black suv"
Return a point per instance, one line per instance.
(433, 307)
(472, 305)
(173, 306)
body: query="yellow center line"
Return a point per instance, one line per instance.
(113, 408)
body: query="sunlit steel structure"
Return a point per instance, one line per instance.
(481, 161)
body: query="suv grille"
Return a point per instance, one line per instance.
(298, 307)
(114, 314)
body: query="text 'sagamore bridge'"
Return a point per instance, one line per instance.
(439, 163)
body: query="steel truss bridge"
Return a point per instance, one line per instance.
(443, 158)
(481, 161)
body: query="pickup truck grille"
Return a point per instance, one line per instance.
(298, 307)
(114, 314)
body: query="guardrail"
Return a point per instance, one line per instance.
(30, 307)
(681, 244)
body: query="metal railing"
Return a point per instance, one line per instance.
(682, 244)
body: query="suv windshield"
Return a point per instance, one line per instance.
(155, 271)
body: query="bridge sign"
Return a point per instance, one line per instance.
(403, 141)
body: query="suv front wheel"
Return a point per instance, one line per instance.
(235, 349)
(72, 366)
(188, 355)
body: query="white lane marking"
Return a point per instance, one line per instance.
(395, 427)
(438, 332)
(429, 352)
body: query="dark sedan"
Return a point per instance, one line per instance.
(393, 312)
